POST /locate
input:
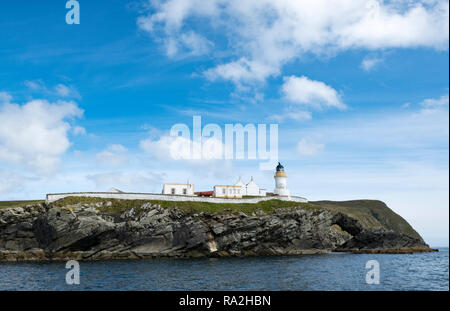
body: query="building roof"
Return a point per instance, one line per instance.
(233, 186)
(251, 182)
(115, 190)
(240, 182)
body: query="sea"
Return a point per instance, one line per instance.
(325, 272)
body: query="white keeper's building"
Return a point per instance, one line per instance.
(227, 191)
(178, 189)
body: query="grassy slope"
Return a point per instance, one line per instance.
(6, 204)
(193, 207)
(371, 213)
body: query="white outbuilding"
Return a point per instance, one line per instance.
(227, 191)
(114, 190)
(241, 184)
(178, 189)
(251, 188)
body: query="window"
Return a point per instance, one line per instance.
(172, 191)
(184, 191)
(223, 190)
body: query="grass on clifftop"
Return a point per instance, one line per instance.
(192, 207)
(6, 204)
(371, 213)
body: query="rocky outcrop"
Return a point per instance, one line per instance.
(93, 232)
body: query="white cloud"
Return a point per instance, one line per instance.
(299, 115)
(117, 148)
(160, 147)
(195, 43)
(168, 148)
(308, 147)
(34, 135)
(370, 62)
(66, 91)
(243, 69)
(129, 181)
(37, 85)
(10, 181)
(114, 155)
(5, 98)
(60, 90)
(432, 105)
(79, 130)
(152, 131)
(316, 94)
(177, 42)
(188, 44)
(263, 35)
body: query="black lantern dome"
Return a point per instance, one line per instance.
(280, 168)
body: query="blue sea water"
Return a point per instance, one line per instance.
(335, 271)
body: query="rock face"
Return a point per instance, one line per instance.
(91, 232)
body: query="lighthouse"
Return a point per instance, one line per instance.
(280, 182)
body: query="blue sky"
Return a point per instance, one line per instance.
(359, 92)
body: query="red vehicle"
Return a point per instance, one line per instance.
(204, 194)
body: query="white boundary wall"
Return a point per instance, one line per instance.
(52, 197)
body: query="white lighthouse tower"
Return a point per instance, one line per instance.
(280, 182)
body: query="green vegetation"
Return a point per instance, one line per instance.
(371, 213)
(6, 204)
(191, 207)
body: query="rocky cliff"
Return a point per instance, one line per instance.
(88, 229)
